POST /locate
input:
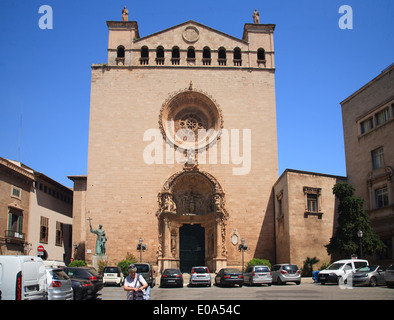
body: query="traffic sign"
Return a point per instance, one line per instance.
(40, 248)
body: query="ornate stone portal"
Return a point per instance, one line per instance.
(191, 197)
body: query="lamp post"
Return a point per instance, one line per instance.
(242, 247)
(360, 235)
(141, 247)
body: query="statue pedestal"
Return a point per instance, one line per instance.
(97, 258)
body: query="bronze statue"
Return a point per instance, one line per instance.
(101, 239)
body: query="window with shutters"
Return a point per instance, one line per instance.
(44, 230)
(59, 233)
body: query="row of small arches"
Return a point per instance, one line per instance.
(191, 55)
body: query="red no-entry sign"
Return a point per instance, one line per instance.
(40, 248)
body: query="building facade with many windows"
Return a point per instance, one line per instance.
(368, 126)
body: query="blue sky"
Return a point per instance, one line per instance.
(45, 74)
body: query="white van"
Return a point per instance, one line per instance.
(22, 278)
(340, 270)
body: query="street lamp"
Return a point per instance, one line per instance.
(141, 247)
(360, 235)
(242, 247)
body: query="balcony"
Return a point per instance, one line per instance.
(14, 235)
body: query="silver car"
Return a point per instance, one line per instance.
(59, 285)
(200, 276)
(369, 275)
(258, 275)
(389, 276)
(282, 273)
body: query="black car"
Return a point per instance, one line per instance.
(171, 277)
(229, 276)
(86, 273)
(83, 289)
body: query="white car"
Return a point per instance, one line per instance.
(200, 276)
(22, 278)
(340, 270)
(113, 275)
(285, 272)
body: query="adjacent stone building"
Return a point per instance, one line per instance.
(368, 127)
(305, 215)
(35, 210)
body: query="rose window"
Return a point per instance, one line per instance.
(190, 119)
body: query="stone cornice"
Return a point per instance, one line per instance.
(9, 166)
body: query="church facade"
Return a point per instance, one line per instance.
(183, 149)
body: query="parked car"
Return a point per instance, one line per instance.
(200, 276)
(22, 278)
(285, 272)
(58, 284)
(86, 273)
(229, 276)
(389, 276)
(83, 289)
(113, 275)
(171, 277)
(369, 275)
(146, 270)
(258, 275)
(340, 270)
(54, 264)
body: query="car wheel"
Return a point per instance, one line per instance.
(373, 282)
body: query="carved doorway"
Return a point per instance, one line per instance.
(191, 246)
(191, 200)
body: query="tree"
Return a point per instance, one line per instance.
(308, 266)
(351, 219)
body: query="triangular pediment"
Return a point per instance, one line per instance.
(190, 33)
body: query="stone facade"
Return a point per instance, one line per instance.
(154, 89)
(305, 215)
(35, 210)
(15, 186)
(368, 126)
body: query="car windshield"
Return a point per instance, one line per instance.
(93, 271)
(200, 270)
(111, 270)
(231, 270)
(290, 268)
(142, 268)
(335, 266)
(171, 271)
(59, 275)
(262, 269)
(367, 269)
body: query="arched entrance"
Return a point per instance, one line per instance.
(191, 221)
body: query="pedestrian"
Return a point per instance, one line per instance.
(134, 284)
